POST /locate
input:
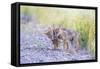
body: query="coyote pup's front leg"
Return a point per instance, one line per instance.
(64, 39)
(65, 46)
(55, 43)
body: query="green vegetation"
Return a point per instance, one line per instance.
(81, 20)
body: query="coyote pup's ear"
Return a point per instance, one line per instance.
(60, 26)
(49, 29)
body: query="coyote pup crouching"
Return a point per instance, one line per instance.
(56, 34)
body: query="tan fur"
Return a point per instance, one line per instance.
(58, 33)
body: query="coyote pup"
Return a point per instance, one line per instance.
(67, 36)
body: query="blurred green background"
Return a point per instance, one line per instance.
(81, 20)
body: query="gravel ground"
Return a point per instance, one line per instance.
(38, 48)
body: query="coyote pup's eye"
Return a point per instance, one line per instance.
(59, 36)
(71, 39)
